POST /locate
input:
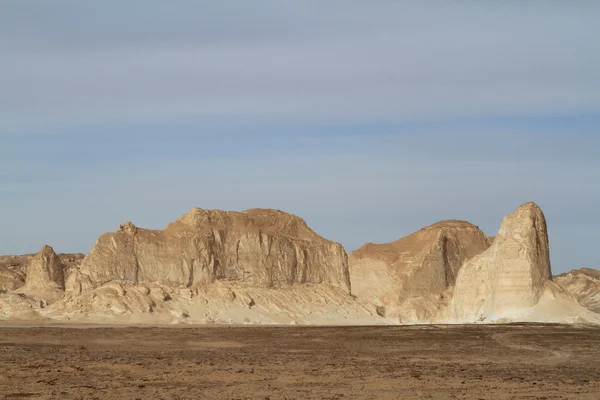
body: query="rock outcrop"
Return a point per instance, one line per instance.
(261, 247)
(584, 285)
(264, 266)
(45, 280)
(11, 279)
(509, 276)
(46, 271)
(14, 269)
(411, 278)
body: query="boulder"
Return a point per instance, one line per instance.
(509, 276)
(262, 247)
(411, 277)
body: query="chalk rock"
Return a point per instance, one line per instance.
(411, 277)
(14, 268)
(10, 279)
(45, 271)
(584, 285)
(510, 275)
(262, 247)
(16, 306)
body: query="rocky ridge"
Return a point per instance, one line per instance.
(265, 248)
(584, 285)
(265, 266)
(208, 266)
(412, 277)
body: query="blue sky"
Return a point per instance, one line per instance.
(368, 119)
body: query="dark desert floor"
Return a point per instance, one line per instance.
(429, 362)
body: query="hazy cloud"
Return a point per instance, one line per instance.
(369, 119)
(68, 63)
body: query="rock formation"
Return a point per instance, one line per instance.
(208, 266)
(218, 302)
(412, 277)
(10, 279)
(266, 266)
(14, 269)
(45, 277)
(46, 271)
(264, 248)
(584, 285)
(510, 275)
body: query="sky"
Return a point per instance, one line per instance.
(369, 119)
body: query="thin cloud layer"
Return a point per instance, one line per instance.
(71, 63)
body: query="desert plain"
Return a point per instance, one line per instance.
(514, 361)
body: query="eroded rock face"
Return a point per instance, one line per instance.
(584, 285)
(10, 279)
(265, 248)
(14, 269)
(45, 271)
(510, 275)
(412, 276)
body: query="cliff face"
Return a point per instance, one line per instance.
(511, 274)
(584, 285)
(261, 247)
(411, 276)
(11, 279)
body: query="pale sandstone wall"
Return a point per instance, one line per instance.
(411, 277)
(265, 248)
(584, 285)
(45, 271)
(510, 275)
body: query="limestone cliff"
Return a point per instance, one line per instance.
(411, 277)
(261, 247)
(510, 275)
(584, 285)
(11, 279)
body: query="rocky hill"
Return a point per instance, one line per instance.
(584, 285)
(512, 280)
(411, 278)
(264, 248)
(256, 266)
(265, 266)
